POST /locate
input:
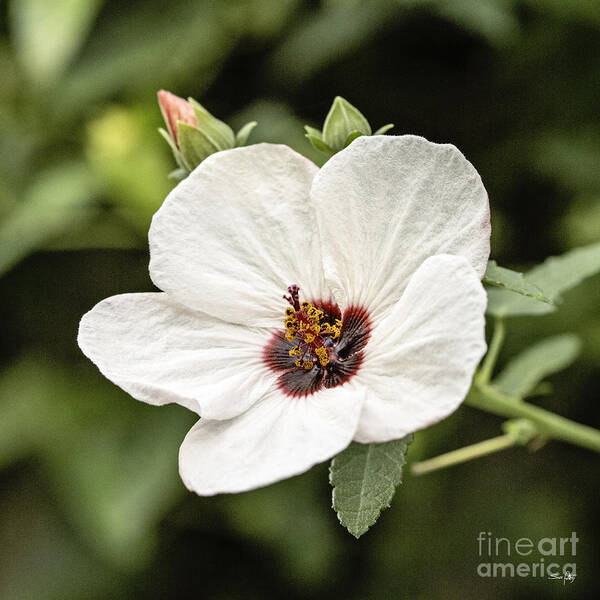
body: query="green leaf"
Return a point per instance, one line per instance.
(523, 373)
(320, 145)
(555, 275)
(364, 478)
(47, 35)
(58, 200)
(342, 120)
(215, 130)
(383, 129)
(241, 137)
(194, 144)
(513, 281)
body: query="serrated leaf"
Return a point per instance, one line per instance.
(555, 275)
(342, 120)
(241, 137)
(320, 145)
(215, 130)
(523, 373)
(513, 281)
(383, 129)
(364, 478)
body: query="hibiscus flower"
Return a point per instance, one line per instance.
(302, 309)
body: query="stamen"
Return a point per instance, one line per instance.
(317, 348)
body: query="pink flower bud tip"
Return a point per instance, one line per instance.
(175, 109)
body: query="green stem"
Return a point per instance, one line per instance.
(489, 362)
(548, 424)
(464, 454)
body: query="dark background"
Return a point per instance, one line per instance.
(91, 505)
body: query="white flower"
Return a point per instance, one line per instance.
(390, 237)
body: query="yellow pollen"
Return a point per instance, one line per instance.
(306, 328)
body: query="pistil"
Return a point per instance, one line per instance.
(305, 326)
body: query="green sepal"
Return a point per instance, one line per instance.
(383, 129)
(176, 153)
(241, 137)
(194, 145)
(320, 145)
(313, 132)
(342, 120)
(351, 137)
(178, 174)
(215, 130)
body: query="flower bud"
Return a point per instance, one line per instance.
(343, 124)
(194, 134)
(175, 109)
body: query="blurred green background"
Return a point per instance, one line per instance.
(91, 505)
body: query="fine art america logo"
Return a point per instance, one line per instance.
(546, 558)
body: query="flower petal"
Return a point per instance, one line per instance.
(385, 204)
(161, 352)
(420, 359)
(232, 236)
(277, 438)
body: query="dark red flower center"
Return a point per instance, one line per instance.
(319, 347)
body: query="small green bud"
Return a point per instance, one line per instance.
(343, 121)
(194, 134)
(522, 430)
(343, 124)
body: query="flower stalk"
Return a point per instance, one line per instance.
(456, 457)
(529, 424)
(489, 362)
(548, 424)
(485, 396)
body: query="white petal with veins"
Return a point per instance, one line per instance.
(160, 352)
(420, 360)
(277, 438)
(385, 204)
(233, 235)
